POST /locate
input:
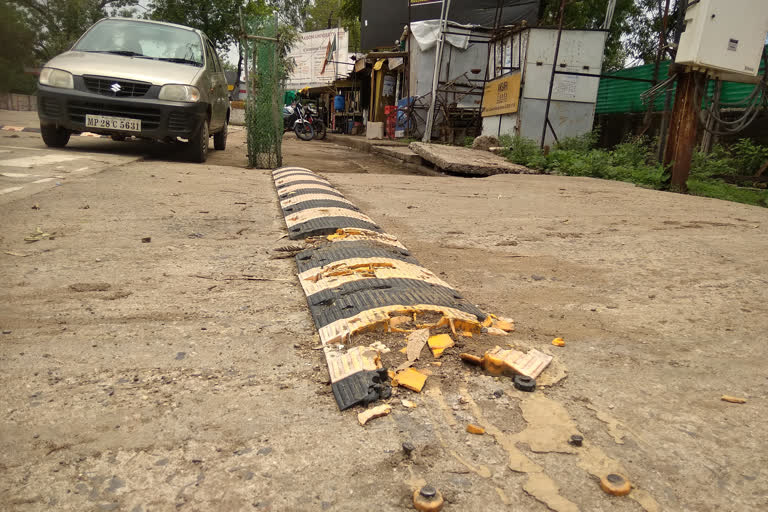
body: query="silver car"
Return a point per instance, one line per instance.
(148, 79)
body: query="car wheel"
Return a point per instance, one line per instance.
(54, 136)
(198, 144)
(220, 139)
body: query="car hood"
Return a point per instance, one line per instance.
(130, 68)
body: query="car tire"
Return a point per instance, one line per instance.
(220, 139)
(198, 144)
(54, 136)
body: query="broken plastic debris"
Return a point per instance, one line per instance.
(416, 341)
(38, 235)
(380, 347)
(558, 342)
(408, 404)
(376, 412)
(355, 360)
(439, 343)
(505, 324)
(498, 361)
(495, 331)
(733, 399)
(475, 429)
(615, 484)
(411, 379)
(427, 499)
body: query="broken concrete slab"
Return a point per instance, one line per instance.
(462, 160)
(400, 152)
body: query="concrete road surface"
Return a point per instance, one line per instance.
(157, 355)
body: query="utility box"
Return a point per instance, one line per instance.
(724, 37)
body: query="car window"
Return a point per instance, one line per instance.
(211, 54)
(144, 40)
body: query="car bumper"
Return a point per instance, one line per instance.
(67, 108)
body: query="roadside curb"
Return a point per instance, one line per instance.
(389, 150)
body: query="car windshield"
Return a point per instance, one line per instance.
(144, 40)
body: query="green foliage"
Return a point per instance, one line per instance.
(59, 23)
(325, 14)
(632, 161)
(219, 19)
(468, 141)
(16, 39)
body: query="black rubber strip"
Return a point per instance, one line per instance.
(328, 296)
(290, 169)
(314, 258)
(364, 300)
(318, 203)
(300, 182)
(309, 190)
(297, 174)
(326, 226)
(361, 388)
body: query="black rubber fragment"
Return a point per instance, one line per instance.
(524, 383)
(328, 296)
(362, 388)
(320, 226)
(300, 182)
(576, 440)
(318, 203)
(348, 306)
(313, 258)
(308, 190)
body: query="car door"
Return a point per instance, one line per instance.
(218, 87)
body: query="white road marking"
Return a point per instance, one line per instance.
(14, 174)
(32, 161)
(44, 180)
(22, 147)
(10, 189)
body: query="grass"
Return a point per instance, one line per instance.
(633, 161)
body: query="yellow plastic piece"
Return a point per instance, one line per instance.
(438, 343)
(475, 429)
(504, 325)
(411, 379)
(558, 342)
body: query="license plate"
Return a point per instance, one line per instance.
(113, 123)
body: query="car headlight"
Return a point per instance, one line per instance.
(187, 93)
(57, 78)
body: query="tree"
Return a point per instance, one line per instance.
(219, 19)
(329, 13)
(59, 23)
(634, 32)
(16, 39)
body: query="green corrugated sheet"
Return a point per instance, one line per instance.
(624, 96)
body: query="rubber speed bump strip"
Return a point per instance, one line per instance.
(284, 170)
(358, 281)
(312, 197)
(353, 304)
(327, 226)
(317, 204)
(308, 190)
(303, 216)
(320, 257)
(290, 189)
(296, 183)
(347, 271)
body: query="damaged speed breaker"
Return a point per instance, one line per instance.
(358, 279)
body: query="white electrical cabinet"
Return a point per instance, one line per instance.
(724, 37)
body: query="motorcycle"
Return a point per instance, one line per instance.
(295, 119)
(317, 123)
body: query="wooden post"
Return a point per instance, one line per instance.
(682, 128)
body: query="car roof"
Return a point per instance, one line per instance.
(155, 22)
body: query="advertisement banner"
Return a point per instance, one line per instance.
(315, 63)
